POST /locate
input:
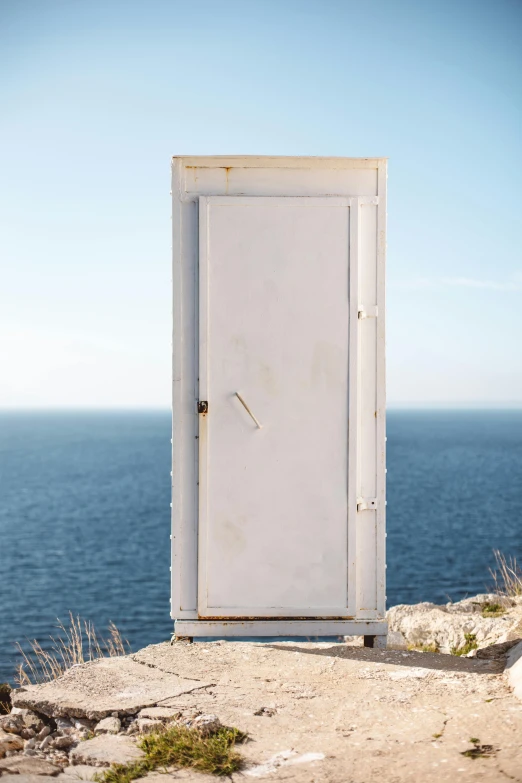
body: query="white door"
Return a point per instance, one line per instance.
(274, 370)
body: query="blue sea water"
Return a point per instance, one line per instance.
(85, 508)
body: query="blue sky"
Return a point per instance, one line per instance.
(97, 96)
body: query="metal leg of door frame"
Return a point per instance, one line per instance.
(376, 642)
(186, 639)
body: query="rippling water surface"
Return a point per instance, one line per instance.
(84, 515)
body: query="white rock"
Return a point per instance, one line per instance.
(64, 742)
(106, 749)
(446, 626)
(109, 725)
(513, 670)
(82, 772)
(25, 765)
(65, 727)
(30, 719)
(83, 723)
(33, 721)
(206, 724)
(12, 724)
(26, 777)
(9, 742)
(43, 733)
(46, 742)
(63, 724)
(476, 603)
(396, 641)
(146, 725)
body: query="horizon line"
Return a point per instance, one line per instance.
(515, 405)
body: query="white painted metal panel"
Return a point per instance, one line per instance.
(306, 628)
(364, 551)
(273, 181)
(273, 499)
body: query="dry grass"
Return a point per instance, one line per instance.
(76, 642)
(507, 575)
(431, 647)
(5, 698)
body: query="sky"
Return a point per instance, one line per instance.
(95, 98)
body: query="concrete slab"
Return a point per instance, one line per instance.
(78, 772)
(23, 778)
(105, 750)
(27, 765)
(95, 690)
(158, 713)
(326, 713)
(175, 776)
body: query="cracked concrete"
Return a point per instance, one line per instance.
(345, 714)
(95, 690)
(316, 713)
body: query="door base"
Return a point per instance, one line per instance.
(307, 628)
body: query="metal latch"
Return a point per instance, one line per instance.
(202, 406)
(366, 504)
(368, 312)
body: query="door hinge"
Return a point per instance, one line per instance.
(368, 312)
(202, 406)
(366, 504)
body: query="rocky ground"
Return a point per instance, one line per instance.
(314, 712)
(489, 618)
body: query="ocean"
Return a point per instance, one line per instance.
(85, 510)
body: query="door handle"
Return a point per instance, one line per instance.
(245, 406)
